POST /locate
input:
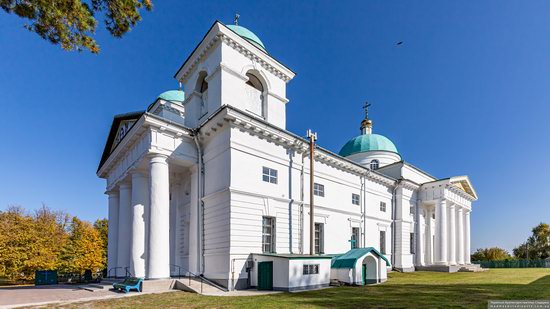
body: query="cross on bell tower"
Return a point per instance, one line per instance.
(366, 124)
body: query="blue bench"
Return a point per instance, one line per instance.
(129, 284)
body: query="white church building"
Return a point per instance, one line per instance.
(209, 182)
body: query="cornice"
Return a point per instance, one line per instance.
(240, 45)
(284, 138)
(460, 192)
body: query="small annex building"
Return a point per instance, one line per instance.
(360, 266)
(290, 272)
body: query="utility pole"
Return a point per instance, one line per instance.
(312, 138)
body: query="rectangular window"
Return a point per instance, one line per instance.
(383, 206)
(411, 210)
(318, 189)
(412, 244)
(319, 238)
(383, 242)
(355, 199)
(311, 269)
(354, 237)
(268, 235)
(269, 175)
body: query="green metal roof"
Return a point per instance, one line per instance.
(173, 95)
(248, 35)
(367, 142)
(349, 259)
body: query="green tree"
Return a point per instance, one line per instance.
(537, 245)
(102, 227)
(490, 254)
(72, 23)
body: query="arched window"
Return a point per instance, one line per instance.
(254, 95)
(374, 164)
(202, 88)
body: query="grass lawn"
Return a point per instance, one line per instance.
(410, 290)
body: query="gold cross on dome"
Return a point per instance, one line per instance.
(366, 108)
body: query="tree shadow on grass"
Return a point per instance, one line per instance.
(421, 295)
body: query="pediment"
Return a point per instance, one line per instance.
(464, 184)
(121, 131)
(121, 125)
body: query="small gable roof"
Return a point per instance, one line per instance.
(349, 259)
(113, 131)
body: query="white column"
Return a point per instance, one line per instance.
(441, 232)
(140, 198)
(467, 237)
(429, 238)
(112, 236)
(460, 236)
(124, 226)
(452, 234)
(159, 234)
(419, 254)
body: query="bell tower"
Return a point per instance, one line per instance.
(231, 66)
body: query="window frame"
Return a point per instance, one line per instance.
(383, 207)
(383, 242)
(318, 189)
(270, 177)
(374, 164)
(310, 269)
(319, 238)
(355, 237)
(271, 234)
(356, 199)
(412, 245)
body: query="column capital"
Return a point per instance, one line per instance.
(124, 185)
(134, 172)
(156, 157)
(112, 193)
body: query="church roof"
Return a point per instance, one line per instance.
(248, 35)
(367, 142)
(173, 95)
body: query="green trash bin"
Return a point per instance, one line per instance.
(45, 277)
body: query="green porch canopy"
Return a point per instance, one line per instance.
(348, 259)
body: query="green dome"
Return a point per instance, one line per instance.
(367, 142)
(173, 95)
(248, 35)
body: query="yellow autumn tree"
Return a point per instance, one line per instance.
(83, 250)
(17, 237)
(49, 238)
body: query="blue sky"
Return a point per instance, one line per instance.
(465, 94)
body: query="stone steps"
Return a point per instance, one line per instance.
(451, 268)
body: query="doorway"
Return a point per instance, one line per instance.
(265, 276)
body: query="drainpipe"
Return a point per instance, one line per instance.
(200, 203)
(393, 215)
(301, 248)
(364, 209)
